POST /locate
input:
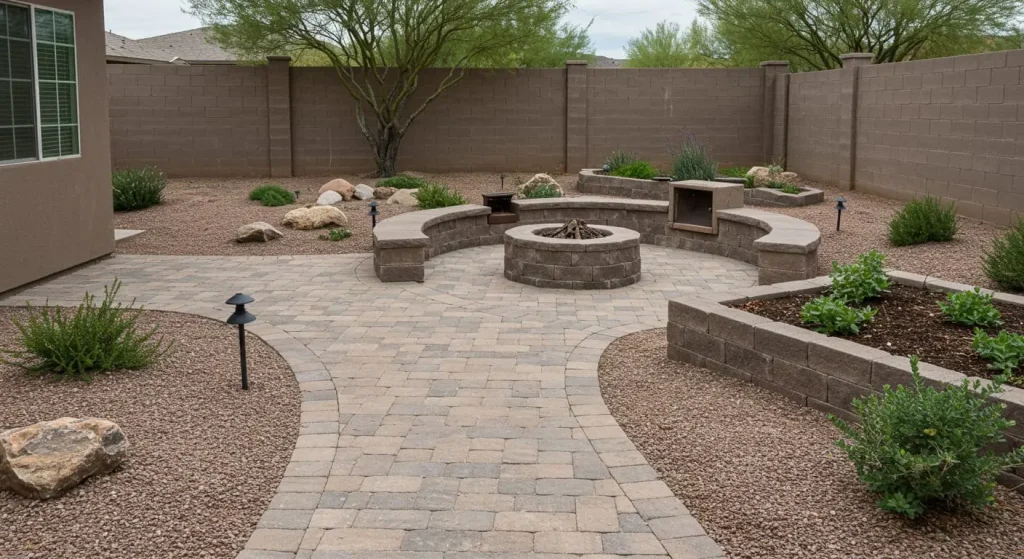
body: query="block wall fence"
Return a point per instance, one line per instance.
(950, 127)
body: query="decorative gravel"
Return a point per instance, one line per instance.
(200, 216)
(204, 459)
(865, 226)
(763, 476)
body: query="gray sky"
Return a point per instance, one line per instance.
(615, 21)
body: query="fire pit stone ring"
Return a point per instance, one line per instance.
(601, 263)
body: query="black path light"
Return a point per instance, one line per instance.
(241, 317)
(373, 214)
(840, 206)
(503, 182)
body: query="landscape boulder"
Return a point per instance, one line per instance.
(363, 192)
(315, 217)
(405, 197)
(341, 186)
(763, 176)
(257, 232)
(384, 192)
(538, 180)
(47, 459)
(329, 198)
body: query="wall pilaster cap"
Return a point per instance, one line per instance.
(856, 58)
(575, 62)
(279, 58)
(774, 63)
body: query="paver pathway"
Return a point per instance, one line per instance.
(457, 418)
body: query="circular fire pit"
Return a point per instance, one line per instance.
(605, 262)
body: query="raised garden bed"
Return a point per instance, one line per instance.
(765, 196)
(596, 181)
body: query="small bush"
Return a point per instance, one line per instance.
(921, 221)
(91, 339)
(403, 182)
(734, 172)
(1004, 264)
(917, 445)
(272, 195)
(336, 234)
(438, 196)
(831, 315)
(619, 159)
(864, 279)
(636, 170)
(748, 182)
(970, 308)
(786, 187)
(543, 191)
(693, 161)
(136, 189)
(1004, 352)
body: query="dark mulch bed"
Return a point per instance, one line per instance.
(909, 322)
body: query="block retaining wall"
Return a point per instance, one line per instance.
(809, 368)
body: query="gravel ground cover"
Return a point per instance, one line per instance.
(204, 459)
(763, 476)
(200, 216)
(908, 322)
(865, 226)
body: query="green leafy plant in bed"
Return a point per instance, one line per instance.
(970, 308)
(136, 189)
(543, 191)
(863, 279)
(831, 315)
(336, 234)
(1005, 352)
(734, 172)
(619, 159)
(434, 195)
(918, 447)
(92, 338)
(272, 195)
(786, 187)
(923, 220)
(1004, 263)
(403, 182)
(636, 170)
(693, 161)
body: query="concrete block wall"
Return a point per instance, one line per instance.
(190, 120)
(814, 130)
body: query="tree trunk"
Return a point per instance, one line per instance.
(385, 151)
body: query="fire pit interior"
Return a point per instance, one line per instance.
(573, 255)
(575, 229)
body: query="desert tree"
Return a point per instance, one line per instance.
(813, 34)
(669, 46)
(380, 47)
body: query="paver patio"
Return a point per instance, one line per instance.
(460, 417)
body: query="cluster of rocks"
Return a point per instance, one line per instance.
(764, 176)
(45, 460)
(540, 180)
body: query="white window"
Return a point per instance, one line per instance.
(38, 84)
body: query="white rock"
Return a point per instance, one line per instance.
(329, 198)
(257, 232)
(47, 459)
(363, 192)
(536, 181)
(404, 197)
(315, 217)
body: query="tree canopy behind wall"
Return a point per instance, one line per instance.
(379, 47)
(669, 46)
(813, 34)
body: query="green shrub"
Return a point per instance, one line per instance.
(336, 234)
(917, 446)
(403, 182)
(748, 182)
(970, 308)
(693, 161)
(636, 170)
(434, 195)
(90, 339)
(831, 315)
(864, 279)
(619, 159)
(1004, 264)
(543, 191)
(786, 187)
(136, 189)
(1004, 352)
(921, 221)
(272, 195)
(734, 172)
